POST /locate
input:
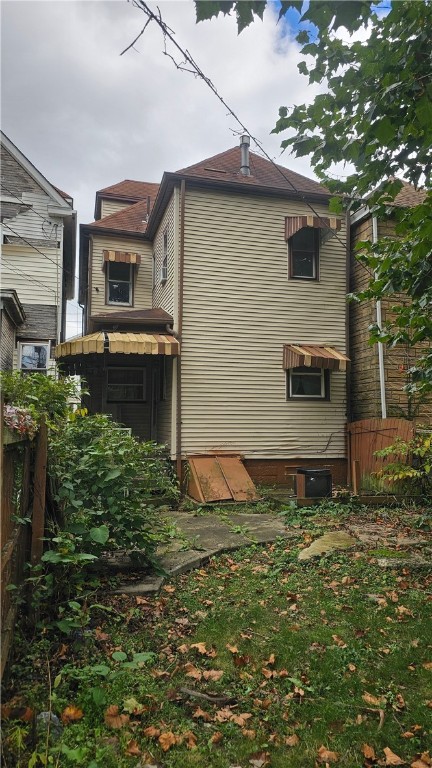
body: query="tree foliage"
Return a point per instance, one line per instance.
(375, 63)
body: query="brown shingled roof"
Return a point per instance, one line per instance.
(130, 219)
(409, 196)
(132, 190)
(226, 167)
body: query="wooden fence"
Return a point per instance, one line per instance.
(23, 478)
(368, 436)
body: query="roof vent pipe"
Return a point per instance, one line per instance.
(244, 147)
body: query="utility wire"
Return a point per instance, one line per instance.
(16, 270)
(59, 266)
(194, 69)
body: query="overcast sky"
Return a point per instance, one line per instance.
(87, 117)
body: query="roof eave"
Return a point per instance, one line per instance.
(169, 180)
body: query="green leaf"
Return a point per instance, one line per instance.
(112, 474)
(143, 657)
(100, 535)
(119, 656)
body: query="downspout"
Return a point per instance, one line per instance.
(380, 344)
(179, 468)
(347, 344)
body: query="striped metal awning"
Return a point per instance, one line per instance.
(124, 257)
(294, 224)
(314, 356)
(119, 343)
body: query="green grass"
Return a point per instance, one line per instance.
(339, 628)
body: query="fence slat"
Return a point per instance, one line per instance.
(39, 493)
(370, 435)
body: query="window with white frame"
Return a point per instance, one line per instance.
(34, 356)
(164, 268)
(119, 283)
(126, 385)
(308, 383)
(304, 254)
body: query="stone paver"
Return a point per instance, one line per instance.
(202, 537)
(330, 542)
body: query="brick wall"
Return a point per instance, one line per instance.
(365, 390)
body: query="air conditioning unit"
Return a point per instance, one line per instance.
(164, 274)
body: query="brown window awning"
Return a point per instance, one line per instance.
(119, 343)
(125, 257)
(293, 224)
(314, 356)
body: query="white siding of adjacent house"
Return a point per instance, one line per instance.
(239, 311)
(142, 295)
(34, 268)
(112, 206)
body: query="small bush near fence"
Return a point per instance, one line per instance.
(106, 484)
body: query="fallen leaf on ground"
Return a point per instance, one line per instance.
(368, 752)
(202, 714)
(222, 715)
(151, 732)
(213, 674)
(392, 758)
(373, 700)
(72, 714)
(190, 739)
(232, 648)
(427, 665)
(326, 756)
(167, 740)
(260, 759)
(13, 711)
(192, 671)
(241, 719)
(132, 748)
(248, 733)
(420, 764)
(113, 719)
(292, 741)
(271, 660)
(217, 737)
(169, 588)
(201, 647)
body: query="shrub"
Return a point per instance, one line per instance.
(410, 470)
(39, 393)
(106, 484)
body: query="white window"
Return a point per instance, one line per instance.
(119, 283)
(164, 268)
(34, 357)
(126, 385)
(308, 383)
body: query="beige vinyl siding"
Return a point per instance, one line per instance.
(239, 311)
(163, 294)
(142, 294)
(165, 407)
(112, 206)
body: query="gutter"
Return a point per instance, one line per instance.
(380, 344)
(179, 468)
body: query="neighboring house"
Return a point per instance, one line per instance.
(379, 372)
(38, 229)
(215, 316)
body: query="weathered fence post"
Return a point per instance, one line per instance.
(39, 493)
(355, 477)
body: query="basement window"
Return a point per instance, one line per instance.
(304, 254)
(305, 383)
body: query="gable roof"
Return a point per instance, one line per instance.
(131, 189)
(127, 190)
(55, 194)
(131, 219)
(409, 196)
(226, 167)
